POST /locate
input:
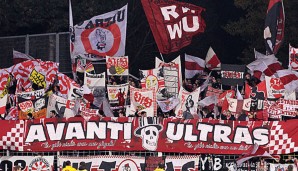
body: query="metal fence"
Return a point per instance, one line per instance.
(50, 47)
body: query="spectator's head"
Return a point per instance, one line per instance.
(290, 168)
(82, 166)
(67, 163)
(53, 114)
(161, 165)
(143, 114)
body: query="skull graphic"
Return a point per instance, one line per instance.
(149, 132)
(150, 137)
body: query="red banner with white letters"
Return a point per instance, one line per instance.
(173, 23)
(146, 133)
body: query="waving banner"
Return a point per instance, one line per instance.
(172, 75)
(117, 65)
(40, 73)
(65, 84)
(28, 163)
(173, 23)
(100, 36)
(117, 93)
(95, 80)
(188, 103)
(274, 29)
(34, 102)
(59, 105)
(146, 133)
(154, 78)
(143, 100)
(275, 88)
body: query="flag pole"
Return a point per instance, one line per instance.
(289, 66)
(162, 57)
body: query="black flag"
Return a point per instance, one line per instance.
(274, 26)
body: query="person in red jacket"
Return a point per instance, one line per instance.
(120, 96)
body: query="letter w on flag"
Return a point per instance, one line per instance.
(173, 23)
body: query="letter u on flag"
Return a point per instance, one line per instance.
(173, 23)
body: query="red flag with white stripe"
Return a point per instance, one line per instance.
(212, 61)
(19, 57)
(289, 79)
(193, 66)
(264, 66)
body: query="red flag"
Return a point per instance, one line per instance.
(193, 66)
(274, 26)
(289, 79)
(247, 91)
(19, 57)
(212, 61)
(264, 65)
(173, 23)
(255, 151)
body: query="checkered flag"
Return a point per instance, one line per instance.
(281, 141)
(14, 139)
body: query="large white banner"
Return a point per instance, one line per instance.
(188, 103)
(143, 100)
(95, 163)
(100, 36)
(28, 163)
(172, 74)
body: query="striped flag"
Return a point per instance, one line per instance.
(193, 66)
(264, 66)
(212, 61)
(19, 57)
(289, 79)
